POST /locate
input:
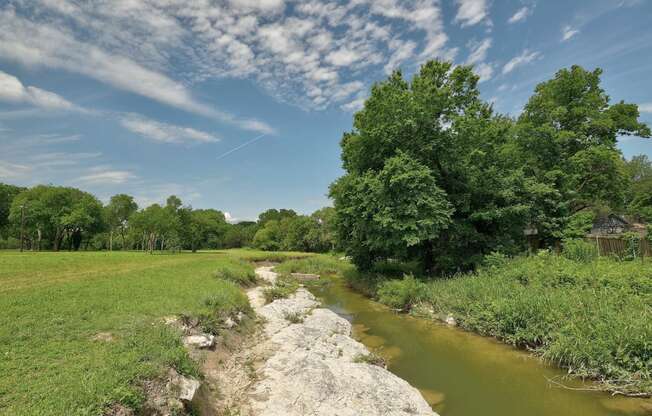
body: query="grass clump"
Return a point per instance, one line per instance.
(239, 272)
(580, 250)
(293, 317)
(283, 288)
(401, 294)
(316, 264)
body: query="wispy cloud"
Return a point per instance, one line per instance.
(10, 170)
(13, 90)
(164, 132)
(471, 12)
(520, 15)
(568, 32)
(43, 44)
(645, 108)
(106, 177)
(524, 58)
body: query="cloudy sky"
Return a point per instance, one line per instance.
(240, 104)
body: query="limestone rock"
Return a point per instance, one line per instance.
(182, 388)
(450, 320)
(311, 369)
(200, 341)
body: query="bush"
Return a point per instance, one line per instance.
(9, 244)
(222, 305)
(580, 250)
(401, 294)
(240, 272)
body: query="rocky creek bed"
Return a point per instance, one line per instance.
(312, 366)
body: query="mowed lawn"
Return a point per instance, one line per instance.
(53, 305)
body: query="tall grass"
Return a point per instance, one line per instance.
(592, 316)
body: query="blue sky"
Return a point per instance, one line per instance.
(240, 104)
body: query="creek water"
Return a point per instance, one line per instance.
(463, 374)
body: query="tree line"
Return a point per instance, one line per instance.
(433, 174)
(47, 217)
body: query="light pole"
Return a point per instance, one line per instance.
(22, 227)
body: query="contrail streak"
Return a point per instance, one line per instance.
(235, 149)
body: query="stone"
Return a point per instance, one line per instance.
(199, 341)
(450, 320)
(182, 388)
(312, 368)
(229, 323)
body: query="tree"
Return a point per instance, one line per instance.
(639, 195)
(207, 228)
(275, 214)
(7, 195)
(458, 196)
(118, 211)
(566, 139)
(58, 214)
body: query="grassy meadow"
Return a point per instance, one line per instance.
(58, 308)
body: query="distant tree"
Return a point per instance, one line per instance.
(58, 214)
(270, 236)
(207, 229)
(118, 211)
(275, 214)
(240, 234)
(639, 195)
(7, 195)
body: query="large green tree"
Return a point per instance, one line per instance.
(566, 139)
(425, 174)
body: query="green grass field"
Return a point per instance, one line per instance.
(54, 304)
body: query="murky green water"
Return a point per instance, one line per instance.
(462, 374)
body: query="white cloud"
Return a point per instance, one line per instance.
(645, 108)
(471, 12)
(291, 50)
(106, 177)
(164, 132)
(524, 58)
(485, 71)
(478, 51)
(568, 32)
(354, 105)
(520, 15)
(13, 170)
(12, 90)
(43, 44)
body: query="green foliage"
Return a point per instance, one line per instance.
(7, 195)
(580, 250)
(126, 294)
(579, 225)
(241, 273)
(433, 141)
(317, 264)
(283, 288)
(222, 305)
(285, 230)
(57, 215)
(592, 317)
(632, 246)
(401, 294)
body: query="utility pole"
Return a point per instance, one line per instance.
(22, 227)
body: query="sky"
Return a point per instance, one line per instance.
(240, 105)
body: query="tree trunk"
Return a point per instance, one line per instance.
(38, 241)
(111, 240)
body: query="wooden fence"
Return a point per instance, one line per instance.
(608, 246)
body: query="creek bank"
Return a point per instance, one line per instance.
(313, 366)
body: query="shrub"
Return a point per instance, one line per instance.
(401, 294)
(580, 250)
(221, 305)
